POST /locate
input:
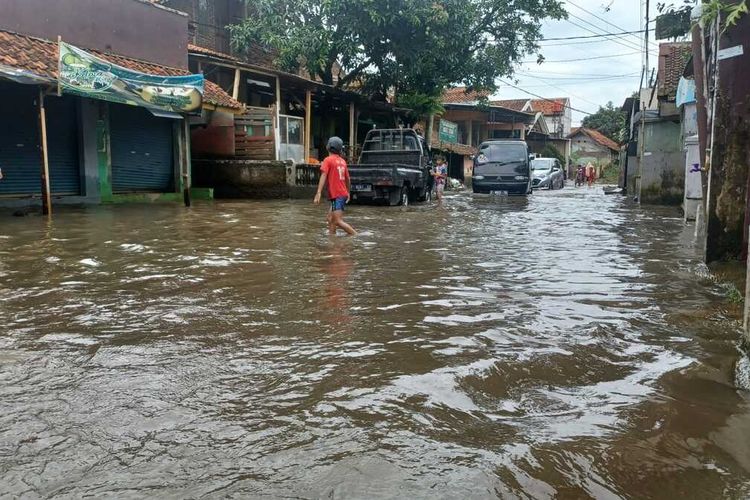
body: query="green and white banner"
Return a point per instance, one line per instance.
(448, 131)
(84, 74)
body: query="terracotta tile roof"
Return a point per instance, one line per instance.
(459, 95)
(40, 57)
(514, 104)
(254, 55)
(595, 136)
(551, 106)
(672, 60)
(197, 49)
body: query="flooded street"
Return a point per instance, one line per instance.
(491, 347)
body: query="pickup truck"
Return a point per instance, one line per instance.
(394, 167)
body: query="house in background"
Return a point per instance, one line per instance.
(540, 139)
(655, 169)
(288, 116)
(589, 145)
(475, 119)
(557, 113)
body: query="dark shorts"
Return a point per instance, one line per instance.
(338, 204)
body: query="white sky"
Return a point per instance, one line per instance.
(588, 83)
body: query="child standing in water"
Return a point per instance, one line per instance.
(334, 174)
(441, 175)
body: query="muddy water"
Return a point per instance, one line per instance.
(490, 347)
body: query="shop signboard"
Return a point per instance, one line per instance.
(87, 75)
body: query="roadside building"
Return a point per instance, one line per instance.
(287, 116)
(475, 119)
(539, 138)
(589, 145)
(656, 156)
(97, 150)
(557, 113)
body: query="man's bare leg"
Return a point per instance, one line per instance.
(339, 221)
(330, 223)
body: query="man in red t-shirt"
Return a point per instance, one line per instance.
(335, 175)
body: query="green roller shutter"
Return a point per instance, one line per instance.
(141, 150)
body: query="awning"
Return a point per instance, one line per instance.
(165, 114)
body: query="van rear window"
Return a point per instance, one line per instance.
(501, 153)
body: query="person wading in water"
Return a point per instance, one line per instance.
(334, 174)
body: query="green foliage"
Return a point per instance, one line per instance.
(415, 48)
(610, 174)
(421, 104)
(608, 120)
(549, 151)
(731, 12)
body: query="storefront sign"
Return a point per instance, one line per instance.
(86, 75)
(448, 131)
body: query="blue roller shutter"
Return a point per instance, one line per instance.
(62, 145)
(20, 158)
(141, 150)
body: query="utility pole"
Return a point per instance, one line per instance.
(642, 132)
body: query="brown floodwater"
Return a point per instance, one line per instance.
(566, 346)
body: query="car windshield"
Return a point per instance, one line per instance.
(541, 164)
(501, 153)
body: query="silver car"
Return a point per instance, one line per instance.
(547, 174)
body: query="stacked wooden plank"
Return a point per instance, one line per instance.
(250, 134)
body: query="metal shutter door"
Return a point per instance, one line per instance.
(62, 145)
(141, 150)
(20, 158)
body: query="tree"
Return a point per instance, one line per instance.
(415, 48)
(608, 120)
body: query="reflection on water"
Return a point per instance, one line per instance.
(563, 346)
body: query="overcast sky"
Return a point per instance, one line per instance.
(589, 83)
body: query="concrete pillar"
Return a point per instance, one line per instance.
(469, 132)
(88, 143)
(236, 86)
(104, 152)
(352, 131)
(277, 121)
(308, 125)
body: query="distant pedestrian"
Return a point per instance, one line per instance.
(580, 175)
(590, 173)
(334, 175)
(441, 177)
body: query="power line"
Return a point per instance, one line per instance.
(592, 36)
(617, 40)
(579, 78)
(564, 90)
(601, 18)
(568, 73)
(561, 44)
(585, 58)
(571, 85)
(543, 98)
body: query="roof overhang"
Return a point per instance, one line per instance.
(299, 83)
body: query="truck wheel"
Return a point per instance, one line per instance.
(394, 197)
(404, 197)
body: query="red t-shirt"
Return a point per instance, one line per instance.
(338, 173)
